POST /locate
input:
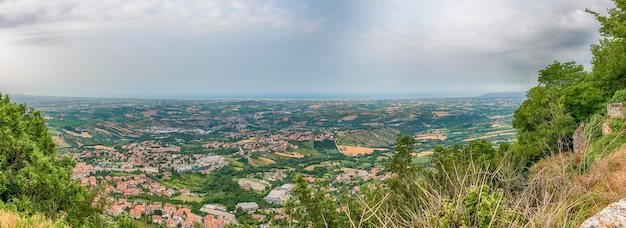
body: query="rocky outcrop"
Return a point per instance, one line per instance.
(613, 111)
(616, 110)
(613, 215)
(580, 141)
(606, 128)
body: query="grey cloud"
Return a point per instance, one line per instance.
(143, 48)
(186, 15)
(505, 41)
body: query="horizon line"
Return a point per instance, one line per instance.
(284, 96)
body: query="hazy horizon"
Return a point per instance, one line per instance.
(282, 96)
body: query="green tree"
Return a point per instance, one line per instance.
(544, 121)
(609, 56)
(312, 207)
(32, 178)
(124, 221)
(401, 162)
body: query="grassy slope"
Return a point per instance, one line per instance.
(561, 190)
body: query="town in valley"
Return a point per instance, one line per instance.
(219, 162)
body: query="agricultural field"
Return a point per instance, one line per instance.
(357, 150)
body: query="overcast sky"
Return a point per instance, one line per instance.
(290, 48)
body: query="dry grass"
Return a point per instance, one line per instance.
(348, 118)
(149, 113)
(442, 114)
(102, 131)
(250, 140)
(101, 147)
(189, 198)
(421, 203)
(561, 190)
(266, 160)
(431, 137)
(290, 155)
(553, 195)
(323, 164)
(422, 154)
(83, 134)
(312, 167)
(191, 109)
(255, 184)
(356, 150)
(10, 219)
(59, 141)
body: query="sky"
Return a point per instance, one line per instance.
(287, 48)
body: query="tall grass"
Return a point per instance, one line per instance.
(553, 193)
(11, 219)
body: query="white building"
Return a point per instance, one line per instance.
(280, 194)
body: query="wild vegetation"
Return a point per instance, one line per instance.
(32, 179)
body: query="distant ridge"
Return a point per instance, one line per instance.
(506, 95)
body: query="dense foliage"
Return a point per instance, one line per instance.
(32, 178)
(567, 95)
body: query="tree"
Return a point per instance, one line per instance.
(312, 206)
(32, 178)
(609, 56)
(561, 75)
(544, 121)
(402, 161)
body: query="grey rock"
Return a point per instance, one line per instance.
(580, 141)
(606, 129)
(616, 110)
(613, 215)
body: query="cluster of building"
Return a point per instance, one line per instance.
(203, 163)
(279, 195)
(266, 142)
(168, 214)
(151, 155)
(150, 145)
(167, 130)
(350, 175)
(148, 156)
(127, 185)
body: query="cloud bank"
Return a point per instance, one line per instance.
(159, 48)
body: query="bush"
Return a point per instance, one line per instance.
(479, 207)
(619, 96)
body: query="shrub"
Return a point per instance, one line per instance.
(619, 96)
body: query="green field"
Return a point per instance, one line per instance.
(192, 181)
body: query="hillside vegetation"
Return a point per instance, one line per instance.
(538, 181)
(32, 179)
